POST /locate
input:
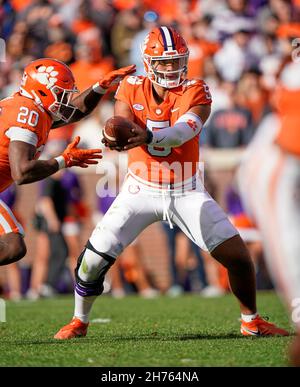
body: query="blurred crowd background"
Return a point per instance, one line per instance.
(238, 47)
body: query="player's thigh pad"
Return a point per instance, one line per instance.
(202, 220)
(127, 217)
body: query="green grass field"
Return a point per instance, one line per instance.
(187, 331)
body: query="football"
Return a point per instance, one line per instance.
(117, 131)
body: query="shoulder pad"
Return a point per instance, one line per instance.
(188, 83)
(135, 79)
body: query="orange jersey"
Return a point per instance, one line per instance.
(22, 117)
(152, 163)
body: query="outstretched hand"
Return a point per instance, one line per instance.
(114, 77)
(80, 157)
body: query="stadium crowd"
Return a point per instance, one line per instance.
(239, 47)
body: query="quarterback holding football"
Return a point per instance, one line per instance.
(163, 182)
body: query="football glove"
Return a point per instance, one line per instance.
(74, 156)
(113, 78)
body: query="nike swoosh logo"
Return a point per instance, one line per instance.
(158, 141)
(255, 333)
(174, 110)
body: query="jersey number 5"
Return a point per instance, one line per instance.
(28, 116)
(156, 150)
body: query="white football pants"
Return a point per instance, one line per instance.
(138, 205)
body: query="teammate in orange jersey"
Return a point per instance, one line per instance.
(269, 180)
(163, 183)
(42, 103)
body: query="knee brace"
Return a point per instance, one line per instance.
(93, 265)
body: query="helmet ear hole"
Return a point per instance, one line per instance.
(42, 93)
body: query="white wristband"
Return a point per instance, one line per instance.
(61, 162)
(98, 89)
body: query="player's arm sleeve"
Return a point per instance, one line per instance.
(197, 104)
(15, 133)
(185, 128)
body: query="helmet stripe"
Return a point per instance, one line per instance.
(172, 39)
(167, 38)
(164, 38)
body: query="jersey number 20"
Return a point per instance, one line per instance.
(28, 116)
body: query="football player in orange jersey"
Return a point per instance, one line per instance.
(43, 102)
(163, 183)
(269, 180)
